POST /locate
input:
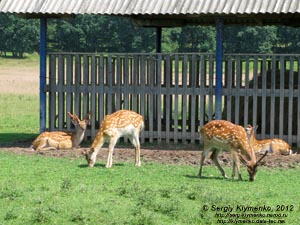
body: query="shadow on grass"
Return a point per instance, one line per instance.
(204, 178)
(17, 139)
(99, 165)
(214, 178)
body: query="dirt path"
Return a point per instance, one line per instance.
(171, 154)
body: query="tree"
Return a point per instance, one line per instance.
(197, 39)
(262, 39)
(18, 35)
(288, 40)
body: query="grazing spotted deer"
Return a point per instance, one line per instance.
(62, 140)
(121, 123)
(221, 135)
(274, 145)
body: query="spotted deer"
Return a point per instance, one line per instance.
(221, 135)
(274, 145)
(62, 140)
(123, 123)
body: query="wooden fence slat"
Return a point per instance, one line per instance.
(273, 102)
(86, 83)
(229, 88)
(101, 103)
(247, 91)
(254, 104)
(61, 99)
(184, 99)
(159, 102)
(69, 99)
(77, 83)
(168, 96)
(93, 104)
(211, 88)
(176, 102)
(52, 95)
(238, 78)
(263, 97)
(290, 100)
(281, 98)
(202, 90)
(192, 116)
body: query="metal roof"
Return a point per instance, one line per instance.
(157, 11)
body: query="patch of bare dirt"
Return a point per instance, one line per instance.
(166, 154)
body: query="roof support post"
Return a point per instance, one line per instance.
(158, 39)
(43, 67)
(219, 66)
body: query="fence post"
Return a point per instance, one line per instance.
(43, 51)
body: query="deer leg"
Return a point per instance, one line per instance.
(45, 145)
(203, 156)
(214, 157)
(233, 169)
(111, 147)
(136, 143)
(236, 165)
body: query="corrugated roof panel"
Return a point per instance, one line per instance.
(228, 7)
(193, 7)
(150, 7)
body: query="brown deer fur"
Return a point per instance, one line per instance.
(121, 123)
(274, 145)
(219, 135)
(62, 140)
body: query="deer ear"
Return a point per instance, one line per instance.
(87, 118)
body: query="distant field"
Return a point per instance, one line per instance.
(19, 88)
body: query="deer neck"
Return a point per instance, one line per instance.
(252, 139)
(77, 136)
(249, 153)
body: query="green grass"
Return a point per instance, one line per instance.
(19, 117)
(30, 60)
(44, 190)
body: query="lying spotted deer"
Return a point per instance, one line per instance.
(221, 135)
(275, 145)
(121, 123)
(62, 140)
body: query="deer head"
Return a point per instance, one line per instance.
(252, 167)
(82, 124)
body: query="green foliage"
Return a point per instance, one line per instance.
(44, 190)
(18, 35)
(92, 33)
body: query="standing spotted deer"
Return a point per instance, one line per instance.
(123, 123)
(274, 145)
(221, 135)
(62, 140)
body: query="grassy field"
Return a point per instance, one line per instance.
(44, 190)
(19, 120)
(19, 99)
